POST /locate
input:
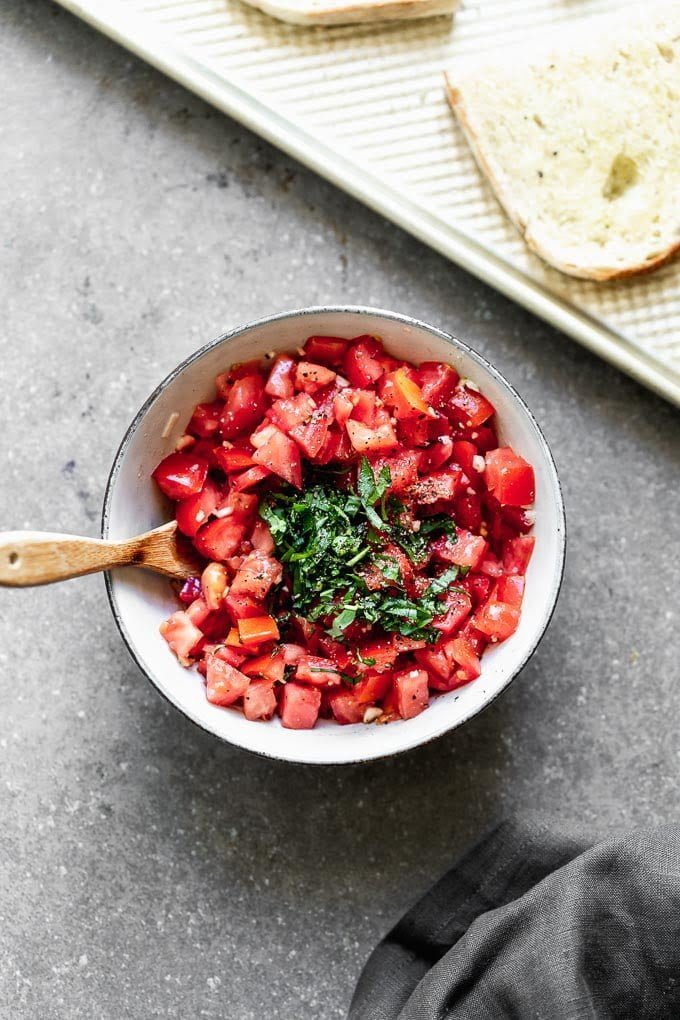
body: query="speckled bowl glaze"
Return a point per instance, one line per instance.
(141, 601)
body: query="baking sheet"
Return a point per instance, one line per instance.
(365, 107)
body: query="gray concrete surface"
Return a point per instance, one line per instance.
(145, 869)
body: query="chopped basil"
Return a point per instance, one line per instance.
(329, 539)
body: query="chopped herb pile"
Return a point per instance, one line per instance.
(328, 536)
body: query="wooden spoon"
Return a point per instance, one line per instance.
(29, 558)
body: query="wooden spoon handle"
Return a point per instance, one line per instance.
(38, 557)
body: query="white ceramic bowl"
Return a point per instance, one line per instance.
(140, 600)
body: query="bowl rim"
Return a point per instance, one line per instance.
(301, 313)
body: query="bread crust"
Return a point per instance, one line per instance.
(601, 274)
(356, 13)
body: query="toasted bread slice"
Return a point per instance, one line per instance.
(342, 12)
(580, 139)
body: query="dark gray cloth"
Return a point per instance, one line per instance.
(530, 924)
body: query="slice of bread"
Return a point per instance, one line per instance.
(342, 12)
(580, 139)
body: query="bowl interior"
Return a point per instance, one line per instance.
(141, 600)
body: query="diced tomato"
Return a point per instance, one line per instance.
(250, 478)
(292, 653)
(517, 554)
(458, 608)
(469, 408)
(240, 607)
(311, 436)
(292, 411)
(464, 453)
(244, 406)
(378, 654)
(205, 421)
(364, 439)
(442, 484)
(254, 630)
(259, 700)
(281, 378)
(214, 581)
(346, 707)
(225, 683)
(329, 350)
(401, 393)
(437, 382)
(509, 477)
(199, 611)
(363, 407)
(336, 447)
(478, 586)
(220, 538)
(373, 687)
(412, 692)
(466, 551)
(465, 656)
(497, 620)
(310, 377)
(467, 511)
(270, 666)
(419, 432)
(299, 706)
(360, 364)
(256, 576)
(491, 565)
(239, 506)
(194, 511)
(510, 589)
(436, 454)
(181, 634)
(281, 456)
(342, 406)
(180, 475)
(227, 654)
(403, 468)
(261, 537)
(315, 670)
(233, 458)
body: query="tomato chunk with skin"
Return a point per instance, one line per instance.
(181, 634)
(466, 551)
(329, 350)
(469, 408)
(220, 538)
(517, 553)
(310, 377)
(180, 475)
(259, 700)
(412, 692)
(244, 407)
(315, 670)
(497, 620)
(270, 666)
(281, 377)
(281, 456)
(510, 478)
(224, 683)
(256, 576)
(192, 512)
(365, 439)
(360, 364)
(299, 706)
